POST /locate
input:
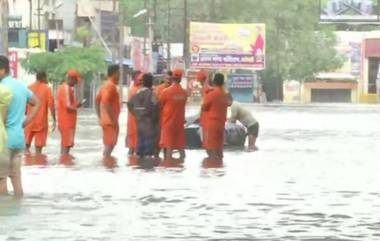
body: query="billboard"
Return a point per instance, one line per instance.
(37, 40)
(349, 10)
(141, 61)
(227, 46)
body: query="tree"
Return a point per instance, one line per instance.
(83, 34)
(88, 61)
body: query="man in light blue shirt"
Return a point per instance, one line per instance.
(10, 160)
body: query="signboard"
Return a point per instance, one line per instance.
(194, 87)
(108, 28)
(37, 40)
(13, 63)
(240, 81)
(141, 61)
(349, 46)
(227, 46)
(349, 10)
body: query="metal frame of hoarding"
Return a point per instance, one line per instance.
(353, 21)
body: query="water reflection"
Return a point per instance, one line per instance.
(314, 178)
(172, 163)
(110, 162)
(67, 160)
(212, 163)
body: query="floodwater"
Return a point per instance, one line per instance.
(316, 177)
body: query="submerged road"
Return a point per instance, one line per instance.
(316, 177)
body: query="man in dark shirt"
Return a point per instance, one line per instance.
(145, 107)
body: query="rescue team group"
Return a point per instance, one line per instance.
(156, 117)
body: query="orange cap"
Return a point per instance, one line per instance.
(177, 73)
(72, 73)
(202, 76)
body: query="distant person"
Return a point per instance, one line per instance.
(167, 83)
(131, 141)
(108, 110)
(145, 107)
(214, 109)
(173, 103)
(67, 111)
(238, 113)
(10, 158)
(38, 129)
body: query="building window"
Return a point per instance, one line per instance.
(13, 35)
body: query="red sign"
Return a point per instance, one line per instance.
(13, 63)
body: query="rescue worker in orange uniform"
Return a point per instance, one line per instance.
(38, 128)
(108, 110)
(67, 111)
(159, 89)
(173, 103)
(214, 109)
(131, 141)
(203, 78)
(167, 83)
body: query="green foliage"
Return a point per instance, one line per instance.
(83, 34)
(88, 61)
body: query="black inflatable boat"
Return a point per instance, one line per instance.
(235, 134)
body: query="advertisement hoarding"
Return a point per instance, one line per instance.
(349, 10)
(227, 46)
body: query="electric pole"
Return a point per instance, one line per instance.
(4, 10)
(186, 35)
(39, 22)
(121, 50)
(114, 34)
(169, 57)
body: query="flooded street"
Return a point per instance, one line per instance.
(316, 177)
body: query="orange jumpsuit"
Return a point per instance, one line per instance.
(206, 89)
(160, 88)
(131, 124)
(67, 118)
(173, 102)
(38, 129)
(108, 95)
(215, 114)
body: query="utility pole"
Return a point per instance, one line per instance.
(186, 35)
(121, 50)
(39, 22)
(169, 57)
(114, 34)
(4, 10)
(213, 13)
(145, 27)
(30, 15)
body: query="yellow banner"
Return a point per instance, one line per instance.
(227, 46)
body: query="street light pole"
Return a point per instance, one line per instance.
(39, 22)
(114, 34)
(4, 10)
(121, 50)
(168, 51)
(186, 35)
